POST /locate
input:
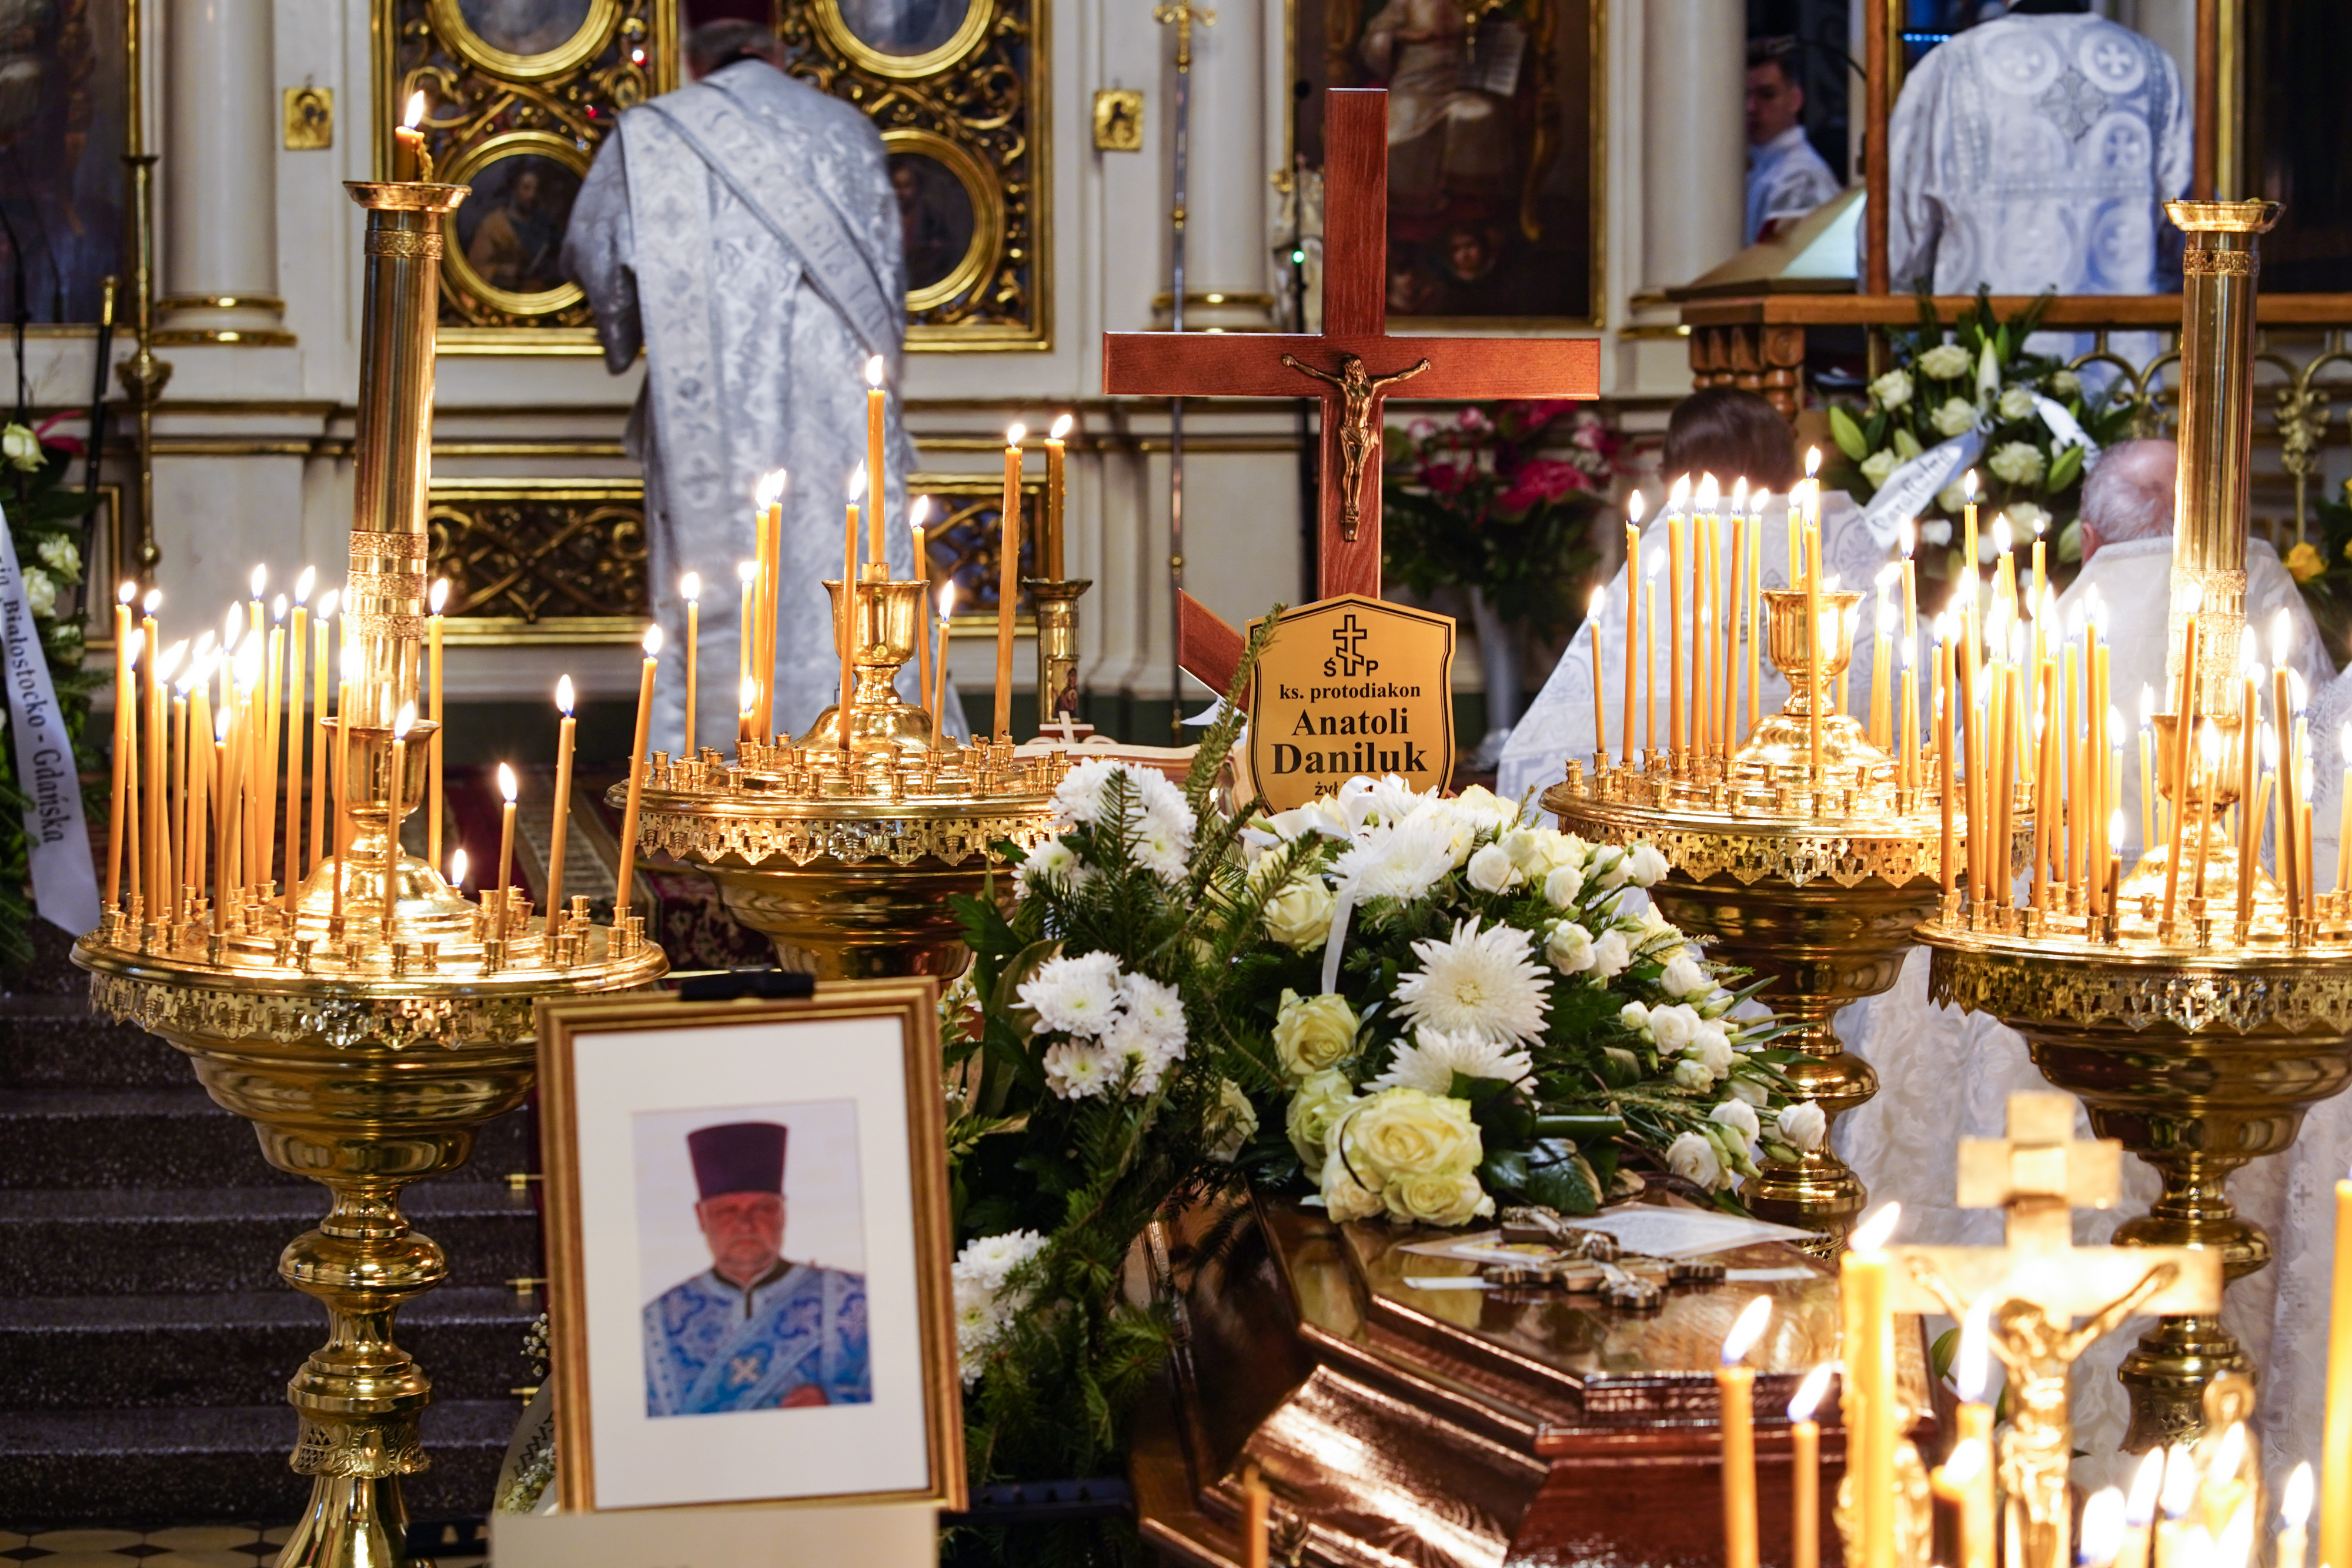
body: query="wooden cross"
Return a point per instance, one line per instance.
(1352, 365)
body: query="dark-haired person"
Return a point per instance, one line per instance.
(1786, 177)
(1731, 434)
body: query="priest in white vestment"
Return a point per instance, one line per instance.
(2036, 151)
(743, 231)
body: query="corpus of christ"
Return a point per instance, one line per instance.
(854, 782)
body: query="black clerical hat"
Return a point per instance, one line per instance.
(738, 1156)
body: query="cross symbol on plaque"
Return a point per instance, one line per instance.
(1352, 366)
(1348, 638)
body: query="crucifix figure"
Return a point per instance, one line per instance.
(1354, 359)
(2039, 1284)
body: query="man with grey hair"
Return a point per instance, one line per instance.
(2128, 506)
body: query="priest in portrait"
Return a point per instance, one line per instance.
(755, 1331)
(743, 231)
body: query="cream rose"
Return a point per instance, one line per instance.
(2016, 403)
(1685, 977)
(1610, 956)
(1803, 1126)
(1437, 1199)
(1491, 871)
(1312, 1033)
(1693, 1158)
(1232, 1125)
(1693, 1076)
(1646, 867)
(2016, 462)
(1317, 1105)
(1299, 916)
(1944, 362)
(1562, 886)
(1569, 948)
(1891, 389)
(1672, 1027)
(1401, 1132)
(1344, 1197)
(1956, 416)
(1879, 464)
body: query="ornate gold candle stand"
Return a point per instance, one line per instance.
(1056, 601)
(367, 1044)
(847, 859)
(1817, 884)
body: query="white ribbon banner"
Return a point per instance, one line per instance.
(64, 881)
(1910, 488)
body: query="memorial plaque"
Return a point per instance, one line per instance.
(1350, 685)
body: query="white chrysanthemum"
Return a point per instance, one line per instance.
(1481, 982)
(990, 1259)
(1083, 794)
(1162, 846)
(1073, 995)
(1159, 797)
(1157, 1009)
(1079, 1070)
(1430, 1060)
(1133, 1052)
(1401, 862)
(1050, 865)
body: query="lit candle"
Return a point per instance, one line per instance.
(1008, 590)
(2147, 821)
(2294, 1511)
(223, 817)
(1702, 565)
(2102, 1536)
(507, 790)
(1907, 538)
(1736, 1385)
(167, 859)
(1813, 650)
(1677, 505)
(182, 826)
(1956, 1483)
(149, 816)
(1600, 718)
(1754, 606)
(770, 496)
(410, 161)
(1650, 661)
(404, 720)
(2343, 811)
(1805, 1469)
(198, 804)
(2173, 1502)
(271, 689)
(2064, 711)
(1907, 754)
(1973, 1489)
(1946, 721)
(690, 588)
(1968, 531)
(939, 665)
(435, 601)
(1863, 1276)
(1257, 1518)
(916, 513)
(876, 474)
(1050, 564)
(319, 714)
(564, 738)
(2183, 734)
(1882, 668)
(2249, 834)
(1633, 620)
(748, 574)
(2140, 1510)
(344, 719)
(126, 653)
(848, 633)
(1727, 689)
(297, 648)
(637, 765)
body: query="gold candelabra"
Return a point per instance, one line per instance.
(370, 1017)
(2209, 1004)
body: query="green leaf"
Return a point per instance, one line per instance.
(1907, 445)
(1846, 434)
(1568, 1184)
(2064, 468)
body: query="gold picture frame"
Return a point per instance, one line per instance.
(448, 19)
(979, 188)
(576, 1293)
(458, 270)
(834, 22)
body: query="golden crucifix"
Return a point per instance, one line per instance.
(1358, 439)
(1183, 14)
(2039, 1284)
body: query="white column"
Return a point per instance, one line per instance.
(1227, 238)
(220, 175)
(1694, 143)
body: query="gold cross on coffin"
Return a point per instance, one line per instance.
(2040, 1283)
(1352, 366)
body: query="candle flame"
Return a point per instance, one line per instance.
(437, 595)
(1972, 1368)
(2344, 740)
(403, 721)
(152, 602)
(1746, 1329)
(2237, 1542)
(1910, 655)
(260, 580)
(507, 787)
(1633, 505)
(2229, 1452)
(1678, 496)
(302, 584)
(170, 659)
(278, 609)
(127, 593)
(1969, 486)
(690, 586)
(1061, 428)
(1872, 1233)
(220, 727)
(1739, 494)
(856, 483)
(1906, 535)
(771, 489)
(458, 868)
(1967, 1463)
(2208, 746)
(1756, 503)
(1013, 433)
(1807, 1397)
(2102, 1529)
(917, 516)
(653, 640)
(199, 669)
(2281, 636)
(749, 697)
(2192, 598)
(2115, 829)
(2295, 691)
(248, 664)
(2179, 1480)
(328, 603)
(563, 695)
(2270, 744)
(947, 599)
(232, 628)
(1708, 493)
(1812, 461)
(2139, 1508)
(2295, 1504)
(416, 114)
(2003, 537)
(745, 570)
(1594, 605)
(874, 371)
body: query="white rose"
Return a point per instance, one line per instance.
(1634, 1016)
(40, 588)
(1527, 850)
(1710, 1047)
(1693, 1076)
(1738, 1115)
(1672, 1027)
(1400, 1133)
(2016, 403)
(1569, 948)
(1944, 362)
(1646, 867)
(1317, 1106)
(1299, 916)
(1693, 1158)
(1491, 871)
(1937, 531)
(1879, 466)
(1610, 956)
(1685, 977)
(2027, 519)
(1891, 389)
(1313, 1033)
(1752, 1093)
(20, 446)
(1344, 1197)
(2065, 384)
(1437, 1199)
(60, 554)
(2017, 462)
(1803, 1126)
(1232, 1125)
(1562, 886)
(1957, 416)
(1951, 498)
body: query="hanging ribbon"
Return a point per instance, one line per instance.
(1910, 488)
(2065, 431)
(64, 881)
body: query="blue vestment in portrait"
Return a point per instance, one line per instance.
(796, 1337)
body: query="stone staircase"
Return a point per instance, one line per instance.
(145, 1338)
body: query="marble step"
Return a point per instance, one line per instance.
(120, 1352)
(148, 1467)
(191, 1240)
(55, 1042)
(165, 1137)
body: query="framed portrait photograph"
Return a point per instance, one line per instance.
(748, 1250)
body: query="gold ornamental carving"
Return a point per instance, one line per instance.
(530, 551)
(424, 246)
(2220, 264)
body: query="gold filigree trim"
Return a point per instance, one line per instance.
(901, 841)
(2084, 985)
(385, 1447)
(179, 1010)
(405, 546)
(2196, 261)
(363, 624)
(425, 245)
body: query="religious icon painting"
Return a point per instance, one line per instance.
(951, 210)
(1494, 178)
(526, 39)
(748, 1249)
(904, 38)
(503, 241)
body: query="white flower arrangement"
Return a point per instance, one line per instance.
(983, 1305)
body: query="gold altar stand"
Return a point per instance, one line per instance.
(1462, 1427)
